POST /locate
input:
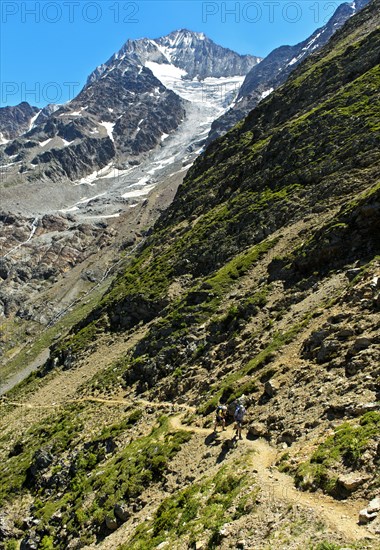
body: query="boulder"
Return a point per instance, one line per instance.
(356, 364)
(41, 460)
(352, 481)
(257, 429)
(366, 517)
(271, 387)
(345, 333)
(357, 409)
(111, 523)
(374, 505)
(329, 348)
(121, 511)
(361, 343)
(288, 437)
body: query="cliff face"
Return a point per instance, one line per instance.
(15, 120)
(260, 282)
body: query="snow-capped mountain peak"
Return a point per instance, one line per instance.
(187, 50)
(153, 99)
(182, 38)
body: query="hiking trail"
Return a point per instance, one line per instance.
(341, 517)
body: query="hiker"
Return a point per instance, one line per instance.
(220, 419)
(239, 418)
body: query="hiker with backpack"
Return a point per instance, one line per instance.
(220, 419)
(239, 418)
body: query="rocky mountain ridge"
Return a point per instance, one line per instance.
(16, 120)
(261, 283)
(190, 51)
(87, 163)
(274, 70)
(123, 112)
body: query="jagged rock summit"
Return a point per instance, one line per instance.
(149, 90)
(193, 52)
(15, 120)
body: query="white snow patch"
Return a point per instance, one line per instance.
(110, 109)
(294, 60)
(72, 209)
(217, 93)
(164, 136)
(97, 174)
(166, 73)
(139, 125)
(138, 192)
(85, 200)
(33, 120)
(3, 141)
(165, 51)
(117, 215)
(43, 143)
(75, 113)
(66, 143)
(266, 93)
(311, 41)
(109, 126)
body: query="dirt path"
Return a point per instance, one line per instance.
(62, 388)
(340, 517)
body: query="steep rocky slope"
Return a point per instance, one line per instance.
(79, 174)
(16, 120)
(260, 280)
(274, 70)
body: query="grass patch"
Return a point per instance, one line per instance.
(232, 385)
(201, 508)
(345, 447)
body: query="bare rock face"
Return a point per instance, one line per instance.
(200, 57)
(16, 120)
(28, 267)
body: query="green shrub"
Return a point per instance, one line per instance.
(345, 447)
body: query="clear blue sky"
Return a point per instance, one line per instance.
(48, 47)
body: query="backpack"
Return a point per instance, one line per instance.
(239, 413)
(221, 411)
